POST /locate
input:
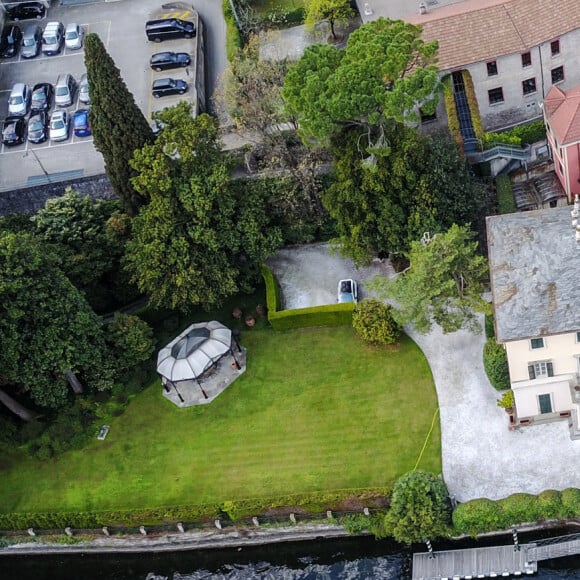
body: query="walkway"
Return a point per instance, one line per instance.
(481, 458)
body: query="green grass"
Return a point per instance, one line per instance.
(266, 6)
(316, 411)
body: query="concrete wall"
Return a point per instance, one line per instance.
(561, 350)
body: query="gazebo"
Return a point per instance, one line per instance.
(191, 366)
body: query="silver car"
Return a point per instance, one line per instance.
(31, 41)
(73, 36)
(64, 90)
(84, 96)
(19, 100)
(59, 126)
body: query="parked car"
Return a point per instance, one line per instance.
(166, 87)
(19, 100)
(73, 36)
(38, 127)
(52, 38)
(31, 41)
(59, 126)
(81, 125)
(169, 60)
(10, 40)
(13, 130)
(42, 96)
(64, 90)
(84, 96)
(26, 11)
(169, 29)
(347, 291)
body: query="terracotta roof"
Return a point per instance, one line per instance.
(479, 30)
(563, 112)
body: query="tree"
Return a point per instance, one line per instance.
(118, 125)
(194, 243)
(332, 11)
(46, 325)
(374, 323)
(443, 283)
(385, 72)
(130, 340)
(384, 198)
(419, 508)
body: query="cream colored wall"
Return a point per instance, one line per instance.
(526, 396)
(561, 350)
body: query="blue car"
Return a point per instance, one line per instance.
(81, 123)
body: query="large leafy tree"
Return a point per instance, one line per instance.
(385, 72)
(331, 11)
(194, 243)
(47, 329)
(420, 508)
(443, 284)
(118, 125)
(384, 198)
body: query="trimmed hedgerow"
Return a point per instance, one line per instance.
(496, 365)
(329, 315)
(273, 301)
(489, 326)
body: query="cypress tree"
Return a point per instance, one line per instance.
(118, 125)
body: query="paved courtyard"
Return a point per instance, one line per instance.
(481, 457)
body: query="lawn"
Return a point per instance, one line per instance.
(266, 6)
(316, 410)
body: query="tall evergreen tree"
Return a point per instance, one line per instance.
(118, 125)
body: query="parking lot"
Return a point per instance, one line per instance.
(120, 25)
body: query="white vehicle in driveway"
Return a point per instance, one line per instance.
(347, 291)
(59, 126)
(73, 36)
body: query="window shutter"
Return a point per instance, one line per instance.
(531, 372)
(550, 367)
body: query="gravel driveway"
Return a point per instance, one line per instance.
(481, 458)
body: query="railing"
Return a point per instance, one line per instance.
(557, 540)
(502, 150)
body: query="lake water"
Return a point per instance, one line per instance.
(344, 559)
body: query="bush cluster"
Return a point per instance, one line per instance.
(505, 195)
(496, 365)
(479, 516)
(519, 136)
(328, 315)
(373, 321)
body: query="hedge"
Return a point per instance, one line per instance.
(480, 516)
(473, 106)
(315, 502)
(452, 119)
(489, 326)
(495, 364)
(328, 315)
(505, 195)
(234, 40)
(273, 301)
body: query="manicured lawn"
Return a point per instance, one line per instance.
(265, 6)
(316, 410)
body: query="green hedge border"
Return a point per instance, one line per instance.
(451, 109)
(473, 105)
(273, 300)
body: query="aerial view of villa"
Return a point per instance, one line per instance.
(277, 271)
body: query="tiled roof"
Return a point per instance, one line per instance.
(563, 112)
(480, 30)
(533, 262)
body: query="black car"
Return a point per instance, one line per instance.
(27, 11)
(168, 60)
(42, 96)
(10, 41)
(38, 127)
(166, 87)
(13, 130)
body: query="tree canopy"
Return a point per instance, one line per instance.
(195, 243)
(331, 11)
(118, 125)
(385, 72)
(443, 284)
(46, 325)
(419, 508)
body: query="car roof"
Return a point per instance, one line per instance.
(58, 114)
(71, 26)
(39, 86)
(18, 88)
(162, 82)
(162, 55)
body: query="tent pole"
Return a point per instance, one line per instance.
(178, 393)
(203, 392)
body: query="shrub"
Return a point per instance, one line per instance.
(451, 109)
(496, 365)
(477, 516)
(507, 400)
(505, 195)
(374, 323)
(473, 106)
(355, 524)
(234, 40)
(550, 505)
(272, 289)
(489, 326)
(492, 139)
(571, 502)
(530, 132)
(329, 315)
(519, 508)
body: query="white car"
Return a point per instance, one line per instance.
(73, 36)
(19, 100)
(59, 126)
(84, 96)
(347, 291)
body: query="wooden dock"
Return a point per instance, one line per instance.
(492, 562)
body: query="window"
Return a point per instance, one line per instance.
(557, 75)
(537, 342)
(555, 47)
(495, 96)
(529, 86)
(540, 369)
(578, 337)
(545, 403)
(492, 68)
(526, 59)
